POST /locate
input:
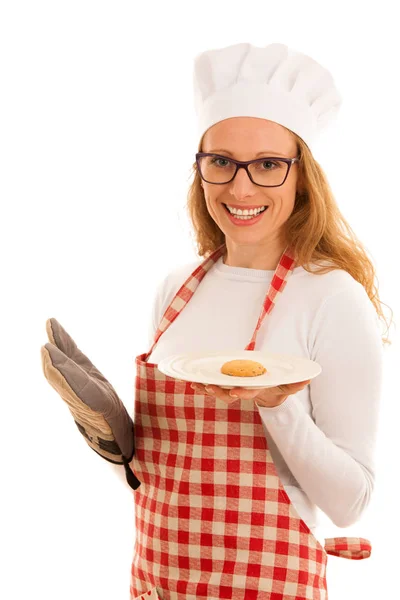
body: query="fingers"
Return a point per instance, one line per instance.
(291, 388)
(227, 396)
(300, 384)
(214, 391)
(234, 394)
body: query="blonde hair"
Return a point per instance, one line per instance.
(316, 230)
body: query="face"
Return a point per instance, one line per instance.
(245, 138)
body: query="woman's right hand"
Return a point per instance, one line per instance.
(96, 408)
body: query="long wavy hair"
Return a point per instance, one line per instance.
(316, 230)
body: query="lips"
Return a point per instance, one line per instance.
(247, 221)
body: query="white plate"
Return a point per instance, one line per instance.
(205, 368)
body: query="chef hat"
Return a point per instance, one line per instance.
(273, 82)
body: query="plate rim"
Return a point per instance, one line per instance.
(250, 381)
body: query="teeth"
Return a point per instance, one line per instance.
(246, 212)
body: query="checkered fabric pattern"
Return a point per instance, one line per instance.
(278, 284)
(348, 547)
(150, 595)
(213, 519)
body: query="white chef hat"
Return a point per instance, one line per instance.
(273, 82)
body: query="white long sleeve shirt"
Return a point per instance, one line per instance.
(322, 439)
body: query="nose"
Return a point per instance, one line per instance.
(242, 185)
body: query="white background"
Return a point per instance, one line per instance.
(98, 136)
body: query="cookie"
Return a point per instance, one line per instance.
(243, 368)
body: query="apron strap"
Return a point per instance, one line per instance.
(282, 272)
(184, 294)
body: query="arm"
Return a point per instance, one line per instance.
(331, 455)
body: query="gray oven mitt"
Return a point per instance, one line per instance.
(98, 413)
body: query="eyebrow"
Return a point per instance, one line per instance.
(266, 153)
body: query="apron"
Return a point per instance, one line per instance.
(213, 519)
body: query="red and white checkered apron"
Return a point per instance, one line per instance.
(213, 519)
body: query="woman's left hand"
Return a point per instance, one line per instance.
(268, 397)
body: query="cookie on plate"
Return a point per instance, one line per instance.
(243, 368)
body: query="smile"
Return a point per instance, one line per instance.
(245, 217)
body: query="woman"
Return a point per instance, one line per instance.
(227, 482)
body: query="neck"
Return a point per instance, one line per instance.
(253, 257)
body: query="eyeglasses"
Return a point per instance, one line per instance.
(267, 172)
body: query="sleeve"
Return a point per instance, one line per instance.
(155, 315)
(331, 453)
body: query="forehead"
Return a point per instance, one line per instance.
(248, 134)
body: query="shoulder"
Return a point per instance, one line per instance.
(172, 281)
(332, 297)
(322, 286)
(178, 275)
(342, 310)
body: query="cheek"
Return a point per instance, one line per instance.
(287, 208)
(211, 202)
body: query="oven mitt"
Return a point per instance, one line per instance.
(98, 413)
